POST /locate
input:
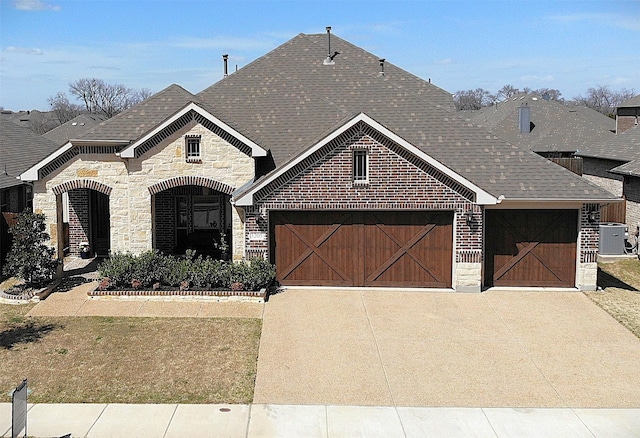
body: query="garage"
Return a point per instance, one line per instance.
(531, 248)
(362, 248)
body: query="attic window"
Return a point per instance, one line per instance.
(360, 166)
(192, 148)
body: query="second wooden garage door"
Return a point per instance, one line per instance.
(531, 248)
(347, 248)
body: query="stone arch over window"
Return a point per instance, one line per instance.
(82, 184)
(191, 181)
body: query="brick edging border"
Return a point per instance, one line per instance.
(262, 293)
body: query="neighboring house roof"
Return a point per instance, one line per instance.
(623, 147)
(557, 127)
(634, 101)
(20, 148)
(30, 118)
(74, 128)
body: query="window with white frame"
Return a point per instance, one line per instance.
(192, 147)
(360, 166)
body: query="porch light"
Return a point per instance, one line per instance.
(468, 217)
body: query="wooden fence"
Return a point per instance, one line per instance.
(574, 164)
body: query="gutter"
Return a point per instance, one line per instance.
(560, 200)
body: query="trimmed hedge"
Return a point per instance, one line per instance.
(152, 269)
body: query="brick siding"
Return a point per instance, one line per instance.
(397, 181)
(78, 219)
(589, 233)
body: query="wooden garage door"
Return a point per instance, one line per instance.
(531, 248)
(400, 249)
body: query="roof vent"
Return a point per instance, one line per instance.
(225, 60)
(381, 67)
(329, 59)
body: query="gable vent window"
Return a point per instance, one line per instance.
(192, 148)
(360, 167)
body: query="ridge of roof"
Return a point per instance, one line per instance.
(634, 101)
(134, 122)
(291, 99)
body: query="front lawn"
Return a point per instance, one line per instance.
(128, 360)
(620, 294)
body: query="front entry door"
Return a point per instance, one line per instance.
(100, 223)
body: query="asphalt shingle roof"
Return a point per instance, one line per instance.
(20, 148)
(558, 127)
(634, 101)
(74, 128)
(140, 119)
(287, 100)
(622, 147)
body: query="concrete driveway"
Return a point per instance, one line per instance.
(395, 348)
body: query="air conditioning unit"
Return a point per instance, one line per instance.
(612, 237)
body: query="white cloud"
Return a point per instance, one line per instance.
(628, 22)
(35, 5)
(534, 79)
(24, 50)
(446, 61)
(222, 43)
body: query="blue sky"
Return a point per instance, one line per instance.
(564, 44)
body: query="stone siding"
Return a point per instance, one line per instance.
(130, 201)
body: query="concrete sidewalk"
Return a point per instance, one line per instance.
(76, 302)
(258, 420)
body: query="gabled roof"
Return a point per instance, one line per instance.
(74, 128)
(131, 128)
(288, 101)
(624, 147)
(558, 127)
(130, 151)
(633, 102)
(244, 196)
(20, 148)
(133, 123)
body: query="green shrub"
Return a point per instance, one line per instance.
(29, 258)
(152, 267)
(119, 268)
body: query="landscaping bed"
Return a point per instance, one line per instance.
(153, 273)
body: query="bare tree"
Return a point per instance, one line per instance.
(507, 91)
(472, 99)
(63, 109)
(143, 94)
(604, 100)
(97, 97)
(549, 93)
